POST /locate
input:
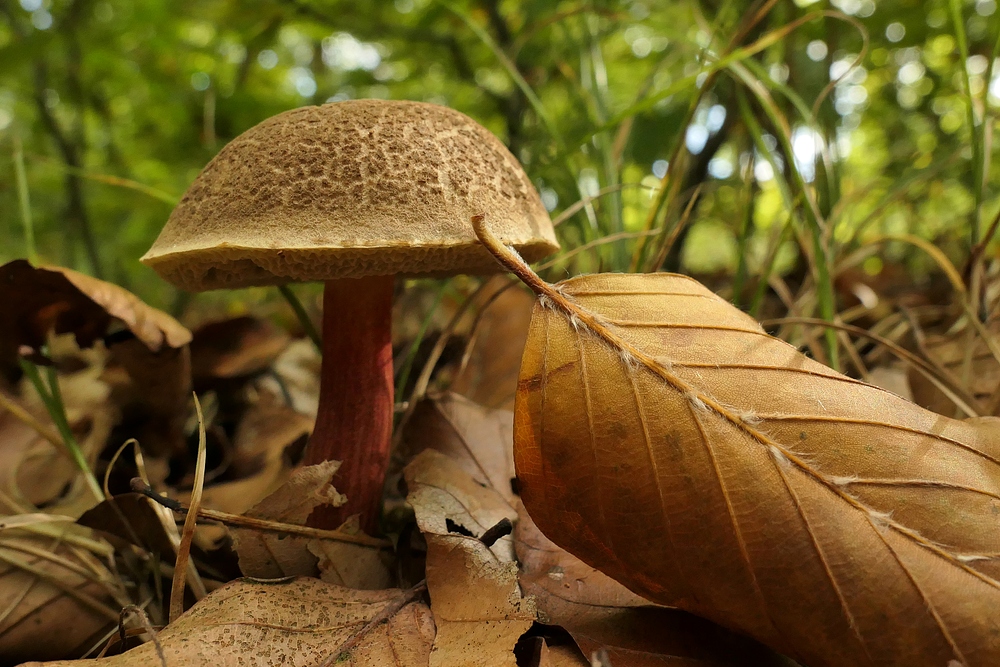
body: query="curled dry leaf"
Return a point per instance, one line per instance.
(292, 623)
(477, 603)
(269, 556)
(352, 565)
(477, 438)
(234, 348)
(149, 371)
(603, 615)
(56, 599)
(665, 439)
(39, 300)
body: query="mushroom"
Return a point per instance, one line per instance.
(351, 193)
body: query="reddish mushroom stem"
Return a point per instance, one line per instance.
(354, 422)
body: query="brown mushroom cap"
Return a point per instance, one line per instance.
(350, 189)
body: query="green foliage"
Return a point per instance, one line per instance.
(119, 103)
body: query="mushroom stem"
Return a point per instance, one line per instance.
(354, 421)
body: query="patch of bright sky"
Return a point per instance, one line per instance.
(817, 50)
(267, 59)
(806, 146)
(587, 183)
(345, 52)
(302, 80)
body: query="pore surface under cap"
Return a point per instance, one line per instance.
(350, 189)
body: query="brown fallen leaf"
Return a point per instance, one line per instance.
(56, 597)
(130, 517)
(353, 565)
(233, 348)
(33, 467)
(479, 439)
(296, 374)
(270, 556)
(490, 376)
(39, 300)
(34, 464)
(539, 654)
(152, 391)
(148, 366)
(291, 623)
(603, 615)
(260, 461)
(665, 439)
(477, 604)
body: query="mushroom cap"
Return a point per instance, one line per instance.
(346, 190)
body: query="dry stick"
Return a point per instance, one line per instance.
(264, 525)
(386, 614)
(502, 528)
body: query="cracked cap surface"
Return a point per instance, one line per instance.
(350, 189)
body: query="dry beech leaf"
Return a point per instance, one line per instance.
(477, 603)
(269, 556)
(235, 348)
(39, 300)
(293, 623)
(478, 438)
(601, 614)
(56, 600)
(664, 438)
(538, 653)
(490, 377)
(352, 565)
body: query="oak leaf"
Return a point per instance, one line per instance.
(664, 438)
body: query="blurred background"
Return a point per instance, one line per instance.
(762, 146)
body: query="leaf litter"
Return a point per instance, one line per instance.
(497, 604)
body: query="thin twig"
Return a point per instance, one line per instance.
(386, 614)
(242, 521)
